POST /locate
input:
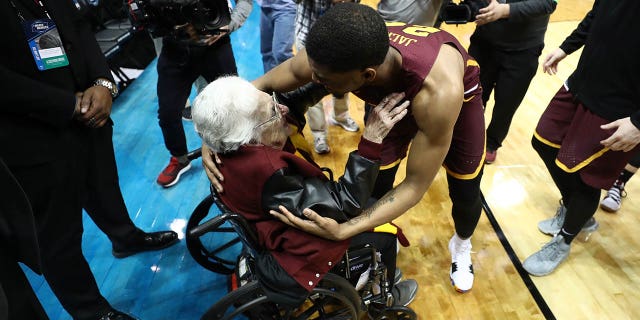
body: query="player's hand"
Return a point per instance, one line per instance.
(492, 12)
(625, 137)
(320, 226)
(211, 161)
(550, 64)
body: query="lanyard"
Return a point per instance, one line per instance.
(37, 2)
(41, 5)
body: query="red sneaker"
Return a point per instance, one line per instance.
(171, 174)
(490, 156)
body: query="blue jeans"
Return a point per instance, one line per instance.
(276, 36)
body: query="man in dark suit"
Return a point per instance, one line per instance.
(105, 205)
(17, 226)
(55, 135)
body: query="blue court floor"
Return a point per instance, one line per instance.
(166, 284)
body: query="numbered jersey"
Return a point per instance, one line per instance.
(419, 47)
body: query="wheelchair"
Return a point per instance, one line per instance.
(357, 288)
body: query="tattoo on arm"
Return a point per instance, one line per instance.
(367, 213)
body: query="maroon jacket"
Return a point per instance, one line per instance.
(296, 183)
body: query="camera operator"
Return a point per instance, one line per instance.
(507, 42)
(421, 12)
(190, 51)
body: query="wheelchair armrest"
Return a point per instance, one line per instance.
(207, 226)
(238, 222)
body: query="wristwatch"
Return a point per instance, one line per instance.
(113, 88)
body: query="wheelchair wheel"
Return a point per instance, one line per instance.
(330, 300)
(396, 313)
(220, 259)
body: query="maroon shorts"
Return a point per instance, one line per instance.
(466, 154)
(570, 127)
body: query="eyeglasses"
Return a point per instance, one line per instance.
(276, 110)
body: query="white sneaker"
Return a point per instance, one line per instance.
(345, 121)
(461, 271)
(613, 200)
(320, 142)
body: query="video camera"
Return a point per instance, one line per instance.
(465, 11)
(161, 17)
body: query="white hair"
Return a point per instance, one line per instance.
(224, 113)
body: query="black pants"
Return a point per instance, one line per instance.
(385, 243)
(507, 74)
(104, 202)
(17, 299)
(178, 67)
(54, 191)
(580, 199)
(635, 161)
(464, 194)
(280, 287)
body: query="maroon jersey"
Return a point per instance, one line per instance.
(419, 47)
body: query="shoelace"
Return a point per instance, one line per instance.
(174, 165)
(558, 219)
(550, 249)
(347, 121)
(320, 141)
(463, 252)
(616, 193)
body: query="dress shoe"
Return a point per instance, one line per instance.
(143, 241)
(115, 315)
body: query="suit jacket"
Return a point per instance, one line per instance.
(17, 225)
(36, 107)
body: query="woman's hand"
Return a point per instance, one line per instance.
(384, 116)
(492, 12)
(210, 162)
(625, 137)
(550, 64)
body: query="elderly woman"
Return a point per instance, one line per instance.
(250, 130)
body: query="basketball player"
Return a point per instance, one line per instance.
(591, 127)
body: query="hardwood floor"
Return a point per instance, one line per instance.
(598, 279)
